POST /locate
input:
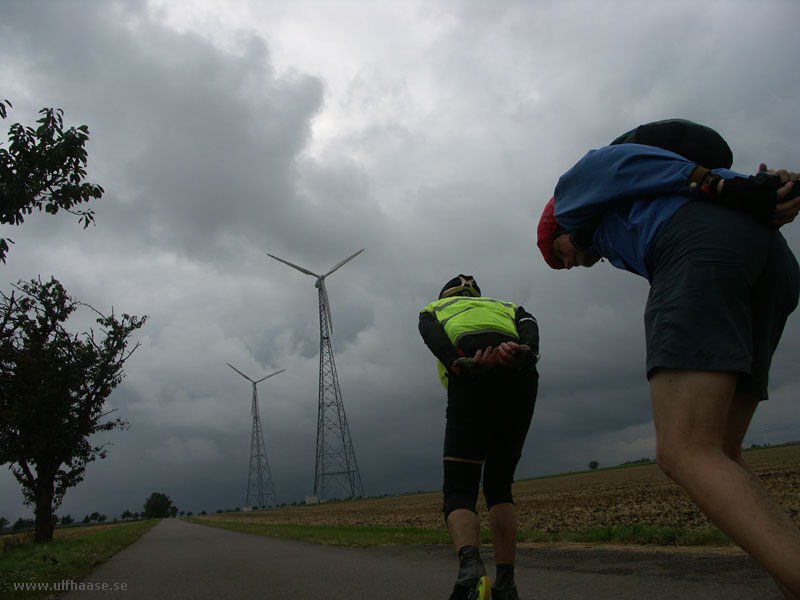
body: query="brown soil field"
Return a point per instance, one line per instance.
(572, 502)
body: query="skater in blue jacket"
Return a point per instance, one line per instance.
(723, 282)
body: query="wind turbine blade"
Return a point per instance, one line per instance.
(268, 376)
(239, 372)
(286, 262)
(327, 304)
(345, 261)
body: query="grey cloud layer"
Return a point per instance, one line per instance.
(440, 159)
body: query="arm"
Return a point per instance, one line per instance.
(436, 339)
(528, 329)
(614, 173)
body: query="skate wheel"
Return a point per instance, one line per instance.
(484, 588)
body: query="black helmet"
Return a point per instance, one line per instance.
(463, 285)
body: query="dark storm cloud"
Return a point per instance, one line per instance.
(198, 143)
(433, 139)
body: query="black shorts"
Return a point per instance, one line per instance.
(488, 418)
(722, 288)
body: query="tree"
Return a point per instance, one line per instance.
(158, 506)
(67, 520)
(44, 169)
(593, 465)
(3, 523)
(126, 515)
(53, 388)
(22, 524)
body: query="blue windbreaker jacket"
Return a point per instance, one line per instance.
(637, 189)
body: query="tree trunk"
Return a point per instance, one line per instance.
(44, 512)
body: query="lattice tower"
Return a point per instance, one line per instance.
(336, 466)
(260, 488)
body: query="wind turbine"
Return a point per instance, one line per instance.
(336, 460)
(320, 284)
(259, 479)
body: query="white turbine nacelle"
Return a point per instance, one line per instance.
(320, 283)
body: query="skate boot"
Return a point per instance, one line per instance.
(505, 588)
(472, 582)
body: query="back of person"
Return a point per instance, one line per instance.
(473, 324)
(489, 409)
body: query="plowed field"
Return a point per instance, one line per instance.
(616, 497)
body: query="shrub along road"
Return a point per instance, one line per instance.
(178, 560)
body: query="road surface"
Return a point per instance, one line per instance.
(177, 560)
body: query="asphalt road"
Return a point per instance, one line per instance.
(178, 560)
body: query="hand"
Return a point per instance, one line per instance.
(501, 355)
(785, 211)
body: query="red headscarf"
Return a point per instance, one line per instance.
(546, 233)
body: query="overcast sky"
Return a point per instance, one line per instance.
(431, 133)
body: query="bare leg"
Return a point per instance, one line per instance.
(465, 528)
(463, 524)
(700, 422)
(739, 417)
(503, 525)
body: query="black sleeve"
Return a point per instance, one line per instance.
(528, 329)
(436, 339)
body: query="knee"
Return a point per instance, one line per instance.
(669, 459)
(497, 493)
(677, 453)
(461, 483)
(680, 460)
(734, 452)
(664, 463)
(498, 477)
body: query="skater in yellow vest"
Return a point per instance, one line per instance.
(486, 350)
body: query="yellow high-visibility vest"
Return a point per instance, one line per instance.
(465, 315)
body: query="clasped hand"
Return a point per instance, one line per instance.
(785, 212)
(492, 357)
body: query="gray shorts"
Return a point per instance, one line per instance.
(722, 288)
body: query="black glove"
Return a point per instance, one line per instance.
(756, 195)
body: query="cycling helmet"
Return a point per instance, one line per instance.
(463, 285)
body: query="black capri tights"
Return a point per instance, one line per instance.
(487, 420)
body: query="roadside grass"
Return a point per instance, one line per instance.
(67, 559)
(366, 537)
